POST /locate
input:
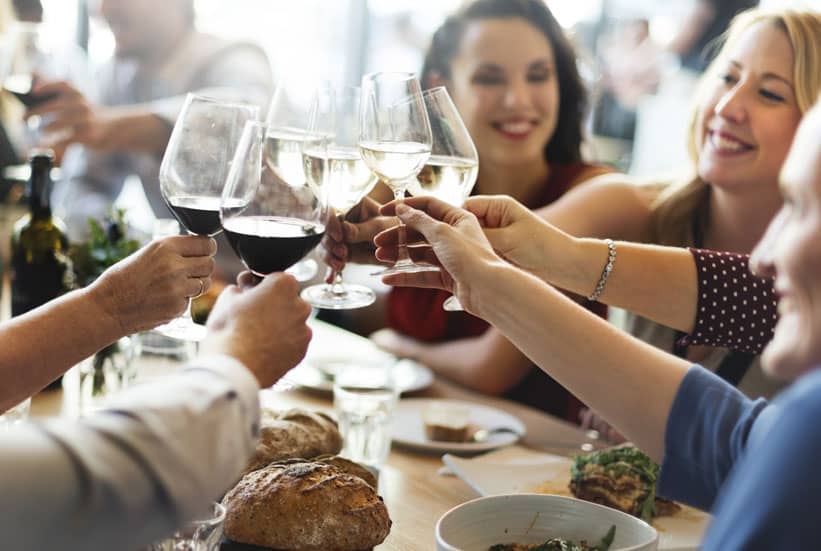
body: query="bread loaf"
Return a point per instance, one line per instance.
(292, 434)
(305, 506)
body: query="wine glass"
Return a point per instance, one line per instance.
(270, 223)
(336, 171)
(395, 141)
(193, 172)
(450, 172)
(287, 120)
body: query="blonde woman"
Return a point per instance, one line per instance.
(748, 107)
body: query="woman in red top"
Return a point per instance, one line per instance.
(512, 74)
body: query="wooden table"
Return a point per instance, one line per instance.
(415, 494)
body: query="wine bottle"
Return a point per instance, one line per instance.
(41, 267)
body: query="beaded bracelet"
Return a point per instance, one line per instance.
(611, 259)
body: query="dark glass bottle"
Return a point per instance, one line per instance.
(41, 267)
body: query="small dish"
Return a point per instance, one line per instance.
(408, 428)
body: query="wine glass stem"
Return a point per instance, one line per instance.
(338, 286)
(402, 256)
(186, 316)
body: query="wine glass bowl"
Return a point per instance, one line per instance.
(337, 173)
(270, 223)
(27, 55)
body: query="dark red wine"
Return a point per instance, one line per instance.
(20, 86)
(199, 215)
(268, 244)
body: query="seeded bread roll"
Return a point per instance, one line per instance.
(306, 506)
(295, 433)
(350, 467)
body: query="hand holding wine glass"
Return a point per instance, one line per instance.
(193, 172)
(270, 223)
(336, 171)
(395, 139)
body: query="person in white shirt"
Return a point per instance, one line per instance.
(161, 451)
(159, 57)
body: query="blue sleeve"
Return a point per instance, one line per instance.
(772, 498)
(707, 432)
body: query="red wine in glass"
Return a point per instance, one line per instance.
(268, 244)
(199, 215)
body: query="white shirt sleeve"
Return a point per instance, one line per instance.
(128, 475)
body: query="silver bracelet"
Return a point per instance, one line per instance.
(611, 260)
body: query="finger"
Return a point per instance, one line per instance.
(424, 254)
(364, 232)
(54, 103)
(69, 119)
(247, 280)
(191, 245)
(421, 221)
(390, 237)
(435, 208)
(199, 266)
(195, 286)
(425, 280)
(62, 87)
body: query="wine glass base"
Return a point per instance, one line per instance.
(304, 270)
(452, 304)
(354, 296)
(182, 329)
(406, 269)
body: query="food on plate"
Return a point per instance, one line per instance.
(446, 422)
(623, 478)
(295, 433)
(559, 544)
(305, 505)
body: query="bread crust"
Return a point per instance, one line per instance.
(305, 506)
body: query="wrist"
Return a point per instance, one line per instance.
(103, 307)
(482, 296)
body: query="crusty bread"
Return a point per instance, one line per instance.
(350, 467)
(305, 506)
(293, 434)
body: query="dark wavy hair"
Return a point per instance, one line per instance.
(565, 144)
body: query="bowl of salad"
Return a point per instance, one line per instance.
(541, 522)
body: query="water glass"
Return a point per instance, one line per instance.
(198, 535)
(15, 415)
(365, 398)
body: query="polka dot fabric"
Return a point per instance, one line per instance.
(736, 309)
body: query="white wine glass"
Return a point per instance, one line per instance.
(287, 121)
(336, 171)
(270, 223)
(395, 141)
(193, 173)
(451, 170)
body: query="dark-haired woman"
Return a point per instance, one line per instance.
(512, 74)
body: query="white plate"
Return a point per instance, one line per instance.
(408, 429)
(410, 375)
(519, 470)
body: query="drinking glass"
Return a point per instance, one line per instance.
(450, 172)
(365, 399)
(193, 172)
(336, 171)
(199, 535)
(270, 223)
(395, 141)
(287, 121)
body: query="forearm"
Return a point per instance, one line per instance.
(656, 282)
(583, 353)
(37, 347)
(137, 129)
(130, 474)
(481, 363)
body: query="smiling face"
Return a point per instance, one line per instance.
(750, 113)
(791, 251)
(504, 84)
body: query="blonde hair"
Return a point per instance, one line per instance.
(682, 206)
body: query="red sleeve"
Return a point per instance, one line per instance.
(418, 313)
